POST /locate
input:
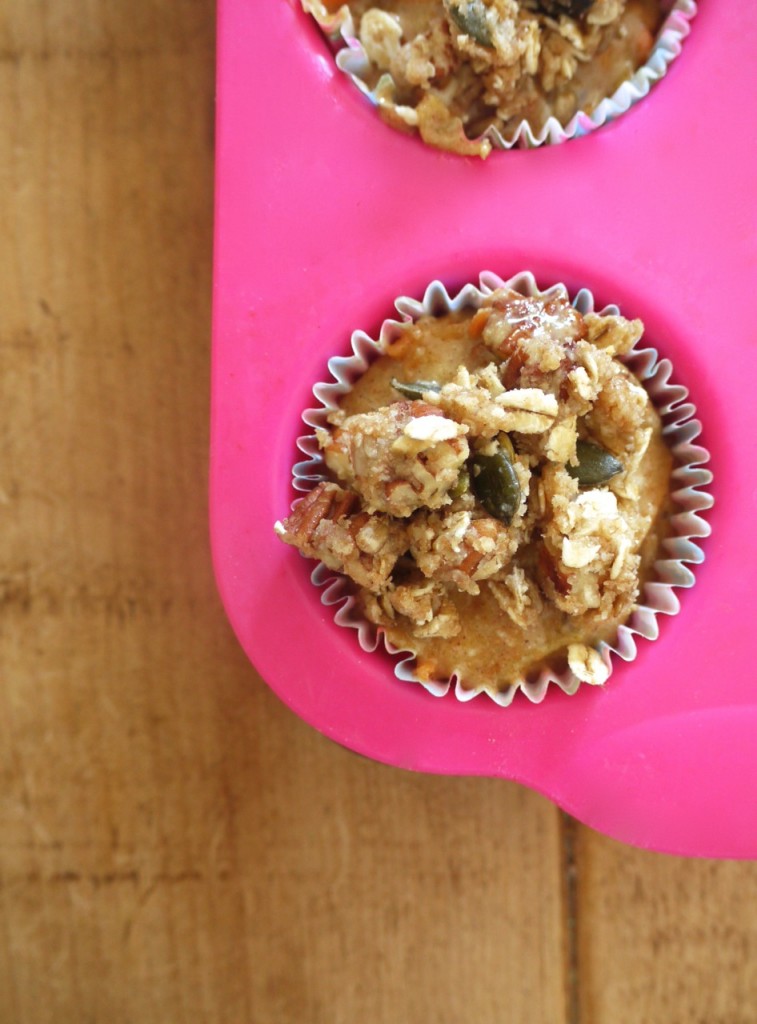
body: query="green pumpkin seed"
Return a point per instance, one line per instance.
(462, 485)
(507, 445)
(595, 465)
(554, 8)
(415, 388)
(470, 18)
(495, 484)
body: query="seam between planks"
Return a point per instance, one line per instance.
(570, 882)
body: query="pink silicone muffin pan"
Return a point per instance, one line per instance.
(324, 216)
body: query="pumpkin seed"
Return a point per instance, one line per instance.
(507, 445)
(415, 388)
(470, 18)
(554, 8)
(495, 484)
(462, 485)
(595, 465)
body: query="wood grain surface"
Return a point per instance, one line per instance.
(175, 846)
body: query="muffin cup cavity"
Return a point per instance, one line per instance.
(690, 480)
(352, 59)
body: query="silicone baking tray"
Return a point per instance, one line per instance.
(324, 215)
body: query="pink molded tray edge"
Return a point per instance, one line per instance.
(324, 216)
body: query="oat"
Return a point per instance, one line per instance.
(586, 664)
(429, 430)
(475, 402)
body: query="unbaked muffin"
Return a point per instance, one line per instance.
(454, 69)
(498, 487)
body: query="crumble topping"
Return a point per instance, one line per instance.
(450, 69)
(499, 485)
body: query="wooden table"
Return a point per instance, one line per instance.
(175, 846)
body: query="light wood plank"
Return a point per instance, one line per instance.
(174, 844)
(664, 939)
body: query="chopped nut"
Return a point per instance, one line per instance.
(577, 554)
(561, 441)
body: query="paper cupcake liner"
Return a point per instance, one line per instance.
(690, 478)
(352, 59)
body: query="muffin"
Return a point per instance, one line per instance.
(466, 74)
(496, 485)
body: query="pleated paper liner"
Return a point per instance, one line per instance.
(690, 481)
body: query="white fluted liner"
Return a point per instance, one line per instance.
(680, 429)
(353, 61)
